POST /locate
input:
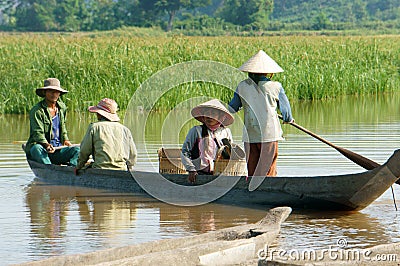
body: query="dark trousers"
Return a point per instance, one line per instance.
(261, 158)
(67, 155)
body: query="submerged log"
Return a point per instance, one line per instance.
(226, 246)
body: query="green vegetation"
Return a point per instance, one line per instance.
(202, 17)
(93, 67)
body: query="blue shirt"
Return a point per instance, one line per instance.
(55, 141)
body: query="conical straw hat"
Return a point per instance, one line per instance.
(220, 113)
(261, 63)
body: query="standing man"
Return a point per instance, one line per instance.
(108, 141)
(259, 97)
(48, 130)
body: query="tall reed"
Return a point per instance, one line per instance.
(91, 67)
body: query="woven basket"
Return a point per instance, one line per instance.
(170, 161)
(235, 166)
(230, 167)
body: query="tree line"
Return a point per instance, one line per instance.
(100, 15)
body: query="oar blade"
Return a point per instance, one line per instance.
(354, 157)
(358, 159)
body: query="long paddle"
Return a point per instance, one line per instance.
(356, 158)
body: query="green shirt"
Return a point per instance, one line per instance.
(41, 124)
(111, 145)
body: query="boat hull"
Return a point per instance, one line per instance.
(342, 192)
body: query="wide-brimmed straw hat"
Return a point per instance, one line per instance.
(107, 108)
(214, 109)
(50, 84)
(261, 63)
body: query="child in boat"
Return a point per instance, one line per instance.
(108, 141)
(203, 141)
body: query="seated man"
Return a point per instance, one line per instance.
(48, 130)
(202, 142)
(108, 141)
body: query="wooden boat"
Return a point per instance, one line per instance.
(341, 192)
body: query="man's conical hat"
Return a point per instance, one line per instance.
(261, 63)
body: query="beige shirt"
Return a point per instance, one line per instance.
(111, 145)
(260, 116)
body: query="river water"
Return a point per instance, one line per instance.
(38, 221)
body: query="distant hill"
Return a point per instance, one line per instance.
(303, 11)
(336, 10)
(219, 17)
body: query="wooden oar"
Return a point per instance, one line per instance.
(356, 158)
(55, 148)
(18, 141)
(64, 146)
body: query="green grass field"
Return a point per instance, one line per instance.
(94, 66)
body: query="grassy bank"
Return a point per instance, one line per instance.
(92, 66)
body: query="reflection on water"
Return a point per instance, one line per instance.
(38, 221)
(62, 217)
(359, 229)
